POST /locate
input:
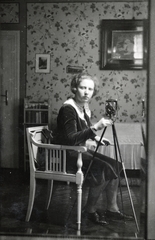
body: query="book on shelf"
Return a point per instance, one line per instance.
(36, 105)
(36, 112)
(36, 117)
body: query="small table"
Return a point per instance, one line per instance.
(130, 142)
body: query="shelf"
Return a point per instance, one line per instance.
(35, 124)
(35, 114)
(37, 109)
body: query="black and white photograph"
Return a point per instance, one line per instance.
(42, 63)
(77, 110)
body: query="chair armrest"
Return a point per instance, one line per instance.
(60, 147)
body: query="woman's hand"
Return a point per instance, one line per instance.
(102, 123)
(104, 141)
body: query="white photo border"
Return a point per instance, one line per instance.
(42, 63)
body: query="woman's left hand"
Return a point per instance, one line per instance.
(104, 141)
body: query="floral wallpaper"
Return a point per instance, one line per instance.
(9, 13)
(70, 33)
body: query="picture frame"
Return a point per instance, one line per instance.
(123, 44)
(42, 63)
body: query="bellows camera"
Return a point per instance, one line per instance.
(111, 108)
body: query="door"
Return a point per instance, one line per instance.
(9, 99)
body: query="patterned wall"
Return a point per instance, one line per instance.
(9, 13)
(70, 33)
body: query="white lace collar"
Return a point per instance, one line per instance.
(78, 108)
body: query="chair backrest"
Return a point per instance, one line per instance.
(41, 151)
(33, 149)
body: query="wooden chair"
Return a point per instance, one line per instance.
(55, 166)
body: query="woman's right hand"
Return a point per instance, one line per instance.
(103, 122)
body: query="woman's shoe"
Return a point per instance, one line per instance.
(118, 216)
(96, 218)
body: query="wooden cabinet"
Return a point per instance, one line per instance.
(35, 114)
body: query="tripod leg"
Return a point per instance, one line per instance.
(116, 155)
(124, 171)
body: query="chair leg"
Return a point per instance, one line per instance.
(79, 205)
(50, 190)
(31, 198)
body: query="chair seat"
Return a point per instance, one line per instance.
(56, 176)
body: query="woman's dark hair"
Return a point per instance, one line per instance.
(81, 76)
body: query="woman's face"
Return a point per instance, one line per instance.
(84, 91)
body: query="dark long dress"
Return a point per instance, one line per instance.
(74, 131)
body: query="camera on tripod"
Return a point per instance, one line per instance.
(111, 108)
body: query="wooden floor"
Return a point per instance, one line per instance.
(54, 223)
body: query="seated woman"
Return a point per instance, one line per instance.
(74, 128)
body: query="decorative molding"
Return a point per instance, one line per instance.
(63, 1)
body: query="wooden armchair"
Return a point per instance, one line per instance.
(55, 166)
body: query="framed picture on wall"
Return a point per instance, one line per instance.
(123, 44)
(42, 63)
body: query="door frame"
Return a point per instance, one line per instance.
(14, 37)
